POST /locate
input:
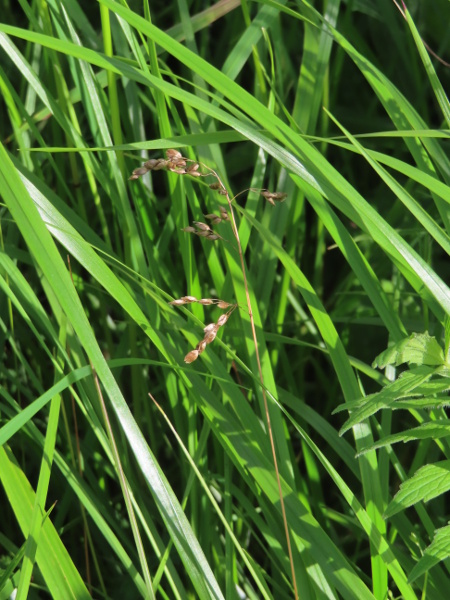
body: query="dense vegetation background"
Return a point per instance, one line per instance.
(107, 492)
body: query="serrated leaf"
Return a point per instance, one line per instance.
(428, 482)
(403, 387)
(418, 349)
(438, 550)
(433, 429)
(422, 403)
(436, 386)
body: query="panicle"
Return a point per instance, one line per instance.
(209, 331)
(271, 196)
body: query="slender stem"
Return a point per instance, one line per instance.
(266, 405)
(261, 378)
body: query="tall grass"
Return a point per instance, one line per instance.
(128, 472)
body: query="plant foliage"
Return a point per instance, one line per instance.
(224, 299)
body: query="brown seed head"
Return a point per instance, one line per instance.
(210, 336)
(191, 356)
(176, 164)
(223, 304)
(160, 164)
(210, 327)
(139, 172)
(201, 346)
(206, 301)
(222, 319)
(150, 164)
(215, 219)
(173, 154)
(178, 302)
(189, 299)
(202, 226)
(271, 196)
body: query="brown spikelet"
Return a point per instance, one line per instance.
(191, 356)
(201, 346)
(215, 219)
(210, 336)
(279, 196)
(271, 196)
(139, 172)
(206, 301)
(150, 164)
(222, 319)
(202, 226)
(222, 304)
(173, 154)
(183, 300)
(209, 327)
(219, 188)
(160, 164)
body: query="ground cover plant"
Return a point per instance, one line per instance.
(224, 240)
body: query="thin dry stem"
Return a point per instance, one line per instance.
(261, 378)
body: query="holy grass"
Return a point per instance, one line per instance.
(177, 163)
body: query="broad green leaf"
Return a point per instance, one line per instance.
(427, 483)
(417, 349)
(438, 550)
(403, 386)
(433, 430)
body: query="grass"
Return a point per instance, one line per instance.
(126, 471)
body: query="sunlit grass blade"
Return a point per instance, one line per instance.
(44, 251)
